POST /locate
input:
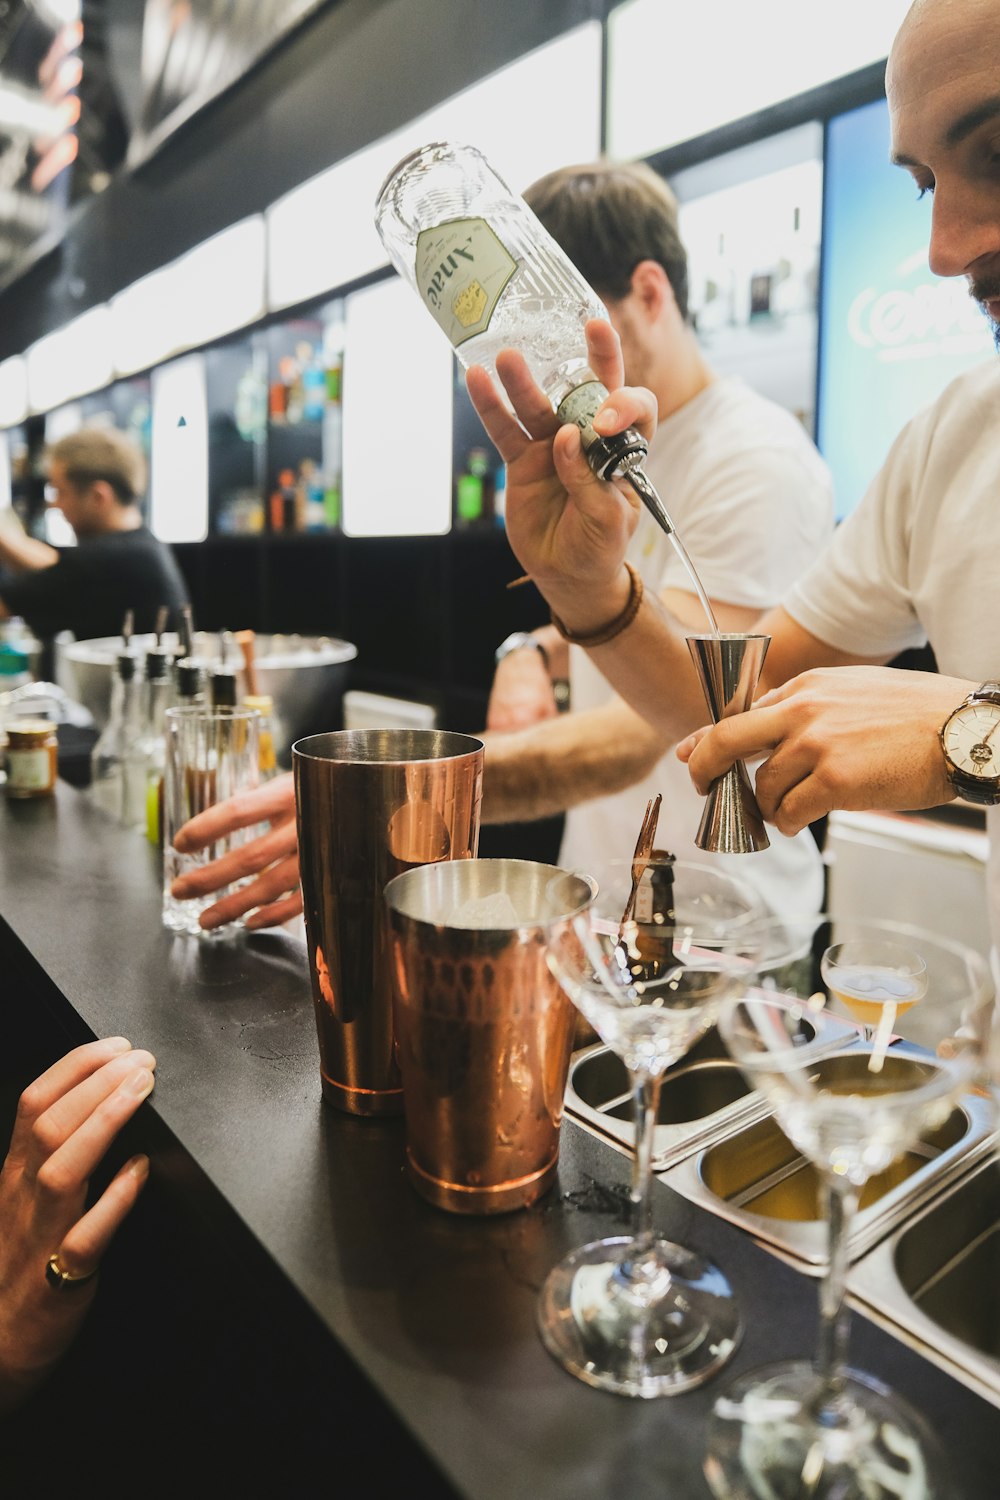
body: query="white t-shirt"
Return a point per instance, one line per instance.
(752, 502)
(918, 560)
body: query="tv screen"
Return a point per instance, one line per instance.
(892, 335)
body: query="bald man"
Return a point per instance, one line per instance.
(915, 563)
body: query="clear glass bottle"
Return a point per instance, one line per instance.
(114, 786)
(493, 278)
(149, 750)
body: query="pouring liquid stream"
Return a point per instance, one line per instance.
(639, 480)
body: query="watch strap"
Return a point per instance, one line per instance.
(517, 641)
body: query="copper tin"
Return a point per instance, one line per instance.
(371, 804)
(484, 1030)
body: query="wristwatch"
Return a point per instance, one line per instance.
(970, 739)
(515, 642)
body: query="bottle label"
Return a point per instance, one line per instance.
(581, 404)
(29, 770)
(644, 911)
(462, 270)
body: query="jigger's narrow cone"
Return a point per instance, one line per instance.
(729, 667)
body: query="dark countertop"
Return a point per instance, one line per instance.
(304, 1297)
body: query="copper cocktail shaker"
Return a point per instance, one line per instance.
(371, 804)
(484, 1029)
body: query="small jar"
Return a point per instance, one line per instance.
(32, 758)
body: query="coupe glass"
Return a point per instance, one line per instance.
(819, 1428)
(636, 1314)
(876, 978)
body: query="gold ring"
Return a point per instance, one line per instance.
(60, 1279)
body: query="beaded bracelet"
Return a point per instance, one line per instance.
(618, 624)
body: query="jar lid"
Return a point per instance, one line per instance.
(28, 729)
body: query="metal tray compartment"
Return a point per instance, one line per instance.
(935, 1281)
(703, 1095)
(758, 1180)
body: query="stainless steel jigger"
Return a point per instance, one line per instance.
(729, 666)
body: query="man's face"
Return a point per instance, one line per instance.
(943, 87)
(76, 504)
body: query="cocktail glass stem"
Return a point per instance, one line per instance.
(834, 1314)
(640, 1264)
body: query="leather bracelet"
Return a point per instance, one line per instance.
(618, 624)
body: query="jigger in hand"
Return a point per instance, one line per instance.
(729, 666)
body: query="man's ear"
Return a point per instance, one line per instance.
(103, 495)
(651, 285)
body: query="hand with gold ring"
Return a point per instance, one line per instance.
(52, 1241)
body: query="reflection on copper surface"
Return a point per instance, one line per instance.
(369, 804)
(323, 978)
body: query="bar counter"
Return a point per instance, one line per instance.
(281, 1313)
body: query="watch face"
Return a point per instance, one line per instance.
(971, 740)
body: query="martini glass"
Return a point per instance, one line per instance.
(637, 1314)
(819, 1428)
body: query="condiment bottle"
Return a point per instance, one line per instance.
(655, 914)
(267, 754)
(32, 758)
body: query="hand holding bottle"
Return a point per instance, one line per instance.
(568, 528)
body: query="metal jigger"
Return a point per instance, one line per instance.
(729, 666)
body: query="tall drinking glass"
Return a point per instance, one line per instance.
(211, 754)
(817, 1427)
(637, 1314)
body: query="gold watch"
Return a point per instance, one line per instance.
(970, 739)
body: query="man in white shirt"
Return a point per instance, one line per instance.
(915, 562)
(735, 472)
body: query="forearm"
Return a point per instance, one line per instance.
(25, 554)
(550, 767)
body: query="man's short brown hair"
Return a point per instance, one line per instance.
(95, 453)
(608, 216)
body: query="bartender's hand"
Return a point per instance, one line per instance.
(66, 1121)
(837, 737)
(568, 529)
(275, 895)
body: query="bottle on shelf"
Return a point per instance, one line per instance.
(474, 489)
(315, 508)
(333, 415)
(291, 373)
(313, 383)
(289, 500)
(500, 495)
